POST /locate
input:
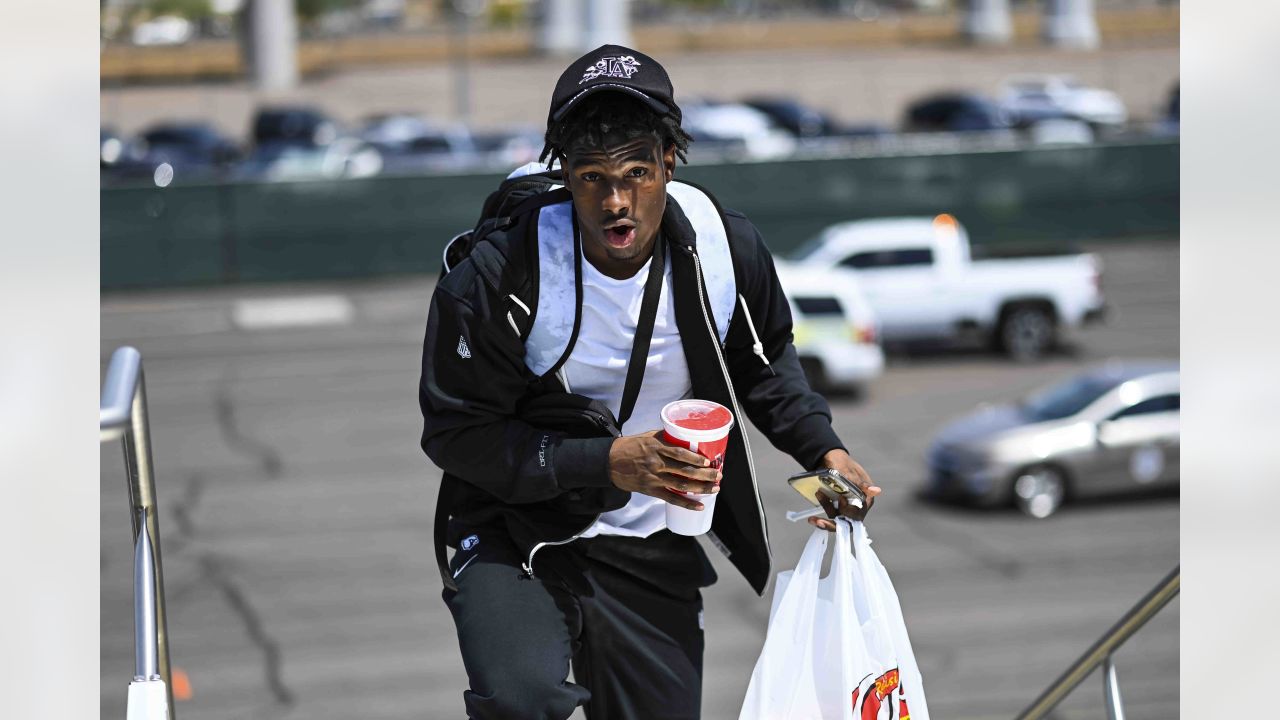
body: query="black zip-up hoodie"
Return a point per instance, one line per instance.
(546, 486)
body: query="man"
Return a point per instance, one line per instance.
(563, 556)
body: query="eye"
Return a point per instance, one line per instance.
(590, 177)
(638, 172)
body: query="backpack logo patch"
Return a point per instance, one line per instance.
(464, 352)
(623, 66)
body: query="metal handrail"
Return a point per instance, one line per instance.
(1102, 650)
(122, 415)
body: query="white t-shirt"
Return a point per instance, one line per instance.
(597, 368)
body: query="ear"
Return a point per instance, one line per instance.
(565, 175)
(669, 161)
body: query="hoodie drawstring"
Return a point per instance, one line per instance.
(756, 347)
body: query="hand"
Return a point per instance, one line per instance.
(840, 461)
(645, 463)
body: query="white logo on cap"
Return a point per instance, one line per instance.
(623, 66)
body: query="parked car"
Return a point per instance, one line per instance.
(956, 112)
(295, 143)
(1110, 429)
(921, 281)
(805, 122)
(192, 150)
(834, 329)
(409, 143)
(299, 126)
(1041, 96)
(194, 142)
(509, 147)
(345, 157)
(163, 30)
(737, 126)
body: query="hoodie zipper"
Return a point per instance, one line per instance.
(527, 566)
(733, 398)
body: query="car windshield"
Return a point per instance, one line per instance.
(1067, 398)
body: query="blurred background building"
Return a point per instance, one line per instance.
(974, 210)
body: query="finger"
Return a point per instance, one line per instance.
(707, 475)
(690, 486)
(683, 455)
(865, 483)
(678, 499)
(822, 524)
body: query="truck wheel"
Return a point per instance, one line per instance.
(1039, 491)
(1026, 332)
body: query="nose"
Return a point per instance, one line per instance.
(616, 201)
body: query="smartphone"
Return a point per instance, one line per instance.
(829, 482)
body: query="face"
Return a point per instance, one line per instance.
(619, 193)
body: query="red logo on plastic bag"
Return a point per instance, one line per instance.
(876, 695)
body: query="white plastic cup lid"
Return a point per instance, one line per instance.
(702, 410)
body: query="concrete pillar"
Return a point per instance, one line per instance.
(608, 22)
(1070, 24)
(562, 27)
(273, 40)
(987, 22)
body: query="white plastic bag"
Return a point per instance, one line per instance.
(837, 647)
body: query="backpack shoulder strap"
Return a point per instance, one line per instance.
(527, 205)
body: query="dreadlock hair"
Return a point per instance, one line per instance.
(611, 113)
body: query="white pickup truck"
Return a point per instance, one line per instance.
(921, 282)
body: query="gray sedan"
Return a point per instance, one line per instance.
(1110, 429)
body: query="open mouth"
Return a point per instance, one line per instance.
(620, 235)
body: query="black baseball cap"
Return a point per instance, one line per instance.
(613, 68)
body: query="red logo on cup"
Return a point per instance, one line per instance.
(700, 425)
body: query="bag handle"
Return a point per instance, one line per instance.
(644, 330)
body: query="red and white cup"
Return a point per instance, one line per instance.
(703, 427)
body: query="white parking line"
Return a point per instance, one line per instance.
(304, 311)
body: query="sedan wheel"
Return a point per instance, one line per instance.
(1039, 491)
(1026, 333)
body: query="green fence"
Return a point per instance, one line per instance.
(199, 234)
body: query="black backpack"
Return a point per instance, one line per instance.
(514, 197)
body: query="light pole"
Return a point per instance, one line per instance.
(987, 22)
(1070, 24)
(608, 23)
(561, 26)
(467, 10)
(273, 44)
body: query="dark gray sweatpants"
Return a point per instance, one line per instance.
(625, 612)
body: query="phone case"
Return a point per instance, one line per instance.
(833, 483)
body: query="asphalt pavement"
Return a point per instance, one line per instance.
(295, 514)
